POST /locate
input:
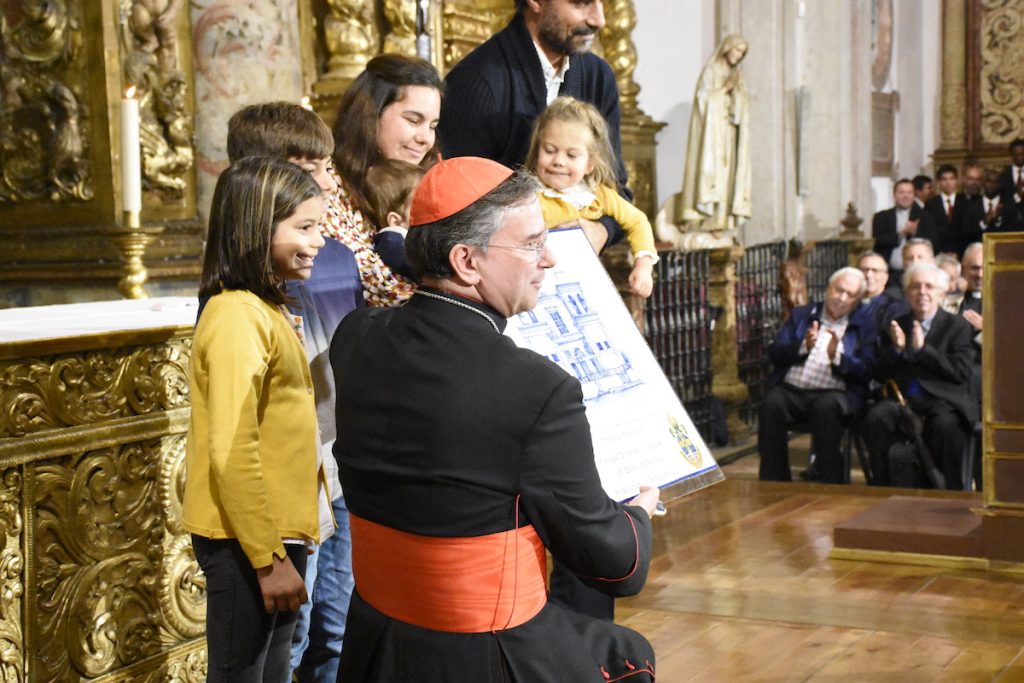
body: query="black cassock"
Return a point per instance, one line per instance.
(442, 423)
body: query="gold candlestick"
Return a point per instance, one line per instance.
(131, 240)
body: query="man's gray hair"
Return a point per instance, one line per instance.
(971, 248)
(941, 275)
(427, 247)
(854, 273)
(873, 254)
(914, 241)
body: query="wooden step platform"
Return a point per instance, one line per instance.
(742, 589)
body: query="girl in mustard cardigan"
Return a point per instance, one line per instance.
(571, 154)
(251, 489)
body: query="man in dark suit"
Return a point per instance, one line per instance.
(877, 305)
(891, 228)
(924, 189)
(463, 457)
(1011, 184)
(494, 94)
(947, 210)
(821, 364)
(928, 353)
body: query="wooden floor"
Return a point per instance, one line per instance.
(741, 589)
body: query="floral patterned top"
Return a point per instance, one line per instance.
(345, 223)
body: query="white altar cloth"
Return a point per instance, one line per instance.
(98, 317)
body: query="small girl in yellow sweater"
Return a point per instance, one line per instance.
(571, 155)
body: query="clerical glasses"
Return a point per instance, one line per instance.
(533, 250)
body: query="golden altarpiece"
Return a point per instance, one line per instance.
(97, 577)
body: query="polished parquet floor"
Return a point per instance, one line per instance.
(741, 588)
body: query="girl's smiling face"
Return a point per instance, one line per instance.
(563, 156)
(296, 241)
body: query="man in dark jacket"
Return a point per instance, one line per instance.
(891, 228)
(928, 353)
(494, 94)
(464, 457)
(821, 366)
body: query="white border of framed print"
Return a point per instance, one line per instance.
(641, 432)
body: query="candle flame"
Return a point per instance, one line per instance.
(305, 103)
(130, 92)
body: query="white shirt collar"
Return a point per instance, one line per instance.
(552, 79)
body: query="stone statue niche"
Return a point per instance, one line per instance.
(715, 199)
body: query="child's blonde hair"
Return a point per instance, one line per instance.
(571, 110)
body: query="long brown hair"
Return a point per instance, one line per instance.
(252, 196)
(355, 129)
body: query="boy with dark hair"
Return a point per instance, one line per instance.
(291, 132)
(390, 186)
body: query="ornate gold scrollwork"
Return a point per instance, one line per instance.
(619, 50)
(98, 543)
(464, 27)
(12, 586)
(401, 17)
(183, 590)
(81, 388)
(350, 34)
(149, 35)
(43, 117)
(1002, 71)
(190, 669)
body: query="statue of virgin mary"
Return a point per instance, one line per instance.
(716, 182)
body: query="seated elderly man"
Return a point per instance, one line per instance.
(876, 305)
(928, 353)
(822, 362)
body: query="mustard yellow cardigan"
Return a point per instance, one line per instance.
(250, 458)
(608, 203)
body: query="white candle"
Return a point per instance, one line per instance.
(131, 152)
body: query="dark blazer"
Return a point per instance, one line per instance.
(887, 238)
(494, 95)
(855, 365)
(1013, 202)
(947, 232)
(942, 366)
(447, 428)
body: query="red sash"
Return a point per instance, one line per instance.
(459, 585)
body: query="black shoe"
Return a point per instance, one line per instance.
(811, 473)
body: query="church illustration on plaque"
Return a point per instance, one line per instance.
(564, 328)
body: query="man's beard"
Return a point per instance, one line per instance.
(550, 33)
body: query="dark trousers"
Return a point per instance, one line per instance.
(244, 644)
(945, 435)
(823, 412)
(569, 592)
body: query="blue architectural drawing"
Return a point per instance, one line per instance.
(565, 329)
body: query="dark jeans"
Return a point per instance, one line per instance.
(945, 435)
(243, 642)
(824, 413)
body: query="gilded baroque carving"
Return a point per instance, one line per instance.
(98, 546)
(183, 589)
(12, 586)
(465, 27)
(191, 669)
(619, 50)
(43, 118)
(401, 17)
(350, 33)
(149, 35)
(1002, 70)
(75, 389)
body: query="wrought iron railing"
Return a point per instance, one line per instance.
(678, 330)
(758, 316)
(824, 259)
